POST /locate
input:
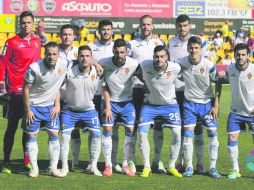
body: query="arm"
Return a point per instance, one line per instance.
(107, 111)
(98, 68)
(56, 109)
(29, 116)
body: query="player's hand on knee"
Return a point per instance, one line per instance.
(29, 118)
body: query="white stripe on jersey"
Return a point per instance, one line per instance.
(197, 79)
(80, 89)
(161, 85)
(242, 89)
(119, 79)
(45, 84)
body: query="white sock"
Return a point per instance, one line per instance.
(199, 148)
(75, 145)
(127, 150)
(213, 146)
(54, 151)
(95, 151)
(145, 149)
(133, 147)
(175, 146)
(65, 147)
(188, 151)
(107, 149)
(181, 153)
(115, 141)
(32, 149)
(158, 143)
(233, 154)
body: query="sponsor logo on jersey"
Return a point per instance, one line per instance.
(249, 76)
(22, 45)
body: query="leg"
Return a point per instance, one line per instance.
(233, 154)
(75, 143)
(188, 150)
(199, 147)
(107, 149)
(32, 149)
(127, 148)
(64, 148)
(115, 141)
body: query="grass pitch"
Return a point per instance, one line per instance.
(18, 180)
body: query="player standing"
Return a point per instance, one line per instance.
(159, 75)
(198, 74)
(20, 51)
(118, 74)
(81, 84)
(43, 80)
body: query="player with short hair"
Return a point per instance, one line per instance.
(142, 49)
(240, 76)
(43, 80)
(198, 74)
(117, 91)
(159, 75)
(81, 84)
(177, 47)
(19, 52)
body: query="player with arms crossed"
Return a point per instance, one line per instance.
(159, 75)
(43, 80)
(198, 74)
(118, 74)
(81, 85)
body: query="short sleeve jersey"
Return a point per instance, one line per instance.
(119, 79)
(161, 85)
(80, 88)
(242, 89)
(197, 79)
(45, 83)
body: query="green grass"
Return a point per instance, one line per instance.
(18, 180)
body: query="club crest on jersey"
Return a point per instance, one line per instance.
(249, 76)
(59, 72)
(75, 55)
(156, 43)
(126, 71)
(93, 77)
(202, 70)
(36, 44)
(168, 74)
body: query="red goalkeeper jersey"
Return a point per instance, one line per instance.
(18, 54)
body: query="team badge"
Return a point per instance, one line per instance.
(249, 76)
(48, 5)
(33, 5)
(168, 74)
(75, 55)
(156, 43)
(126, 71)
(59, 72)
(36, 44)
(16, 5)
(202, 70)
(92, 77)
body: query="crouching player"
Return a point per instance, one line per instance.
(81, 85)
(43, 80)
(241, 78)
(118, 74)
(198, 74)
(159, 75)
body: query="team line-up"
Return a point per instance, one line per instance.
(137, 85)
